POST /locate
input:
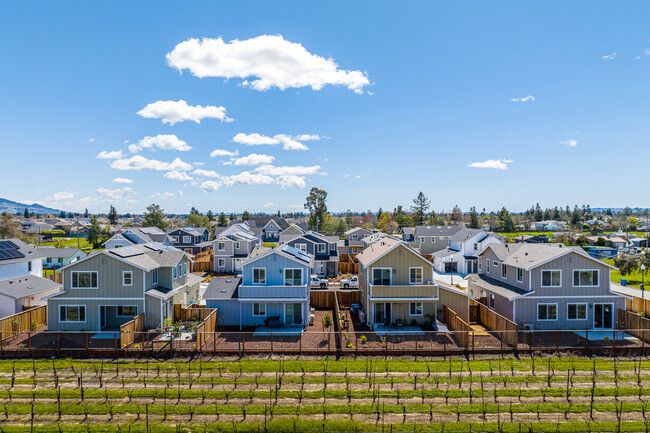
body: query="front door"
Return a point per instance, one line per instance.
(451, 267)
(603, 316)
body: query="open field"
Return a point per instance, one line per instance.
(72, 243)
(538, 394)
(634, 279)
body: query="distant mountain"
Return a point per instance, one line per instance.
(13, 206)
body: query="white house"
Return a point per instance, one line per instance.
(462, 254)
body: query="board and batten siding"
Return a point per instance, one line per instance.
(275, 265)
(401, 259)
(488, 258)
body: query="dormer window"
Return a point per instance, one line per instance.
(320, 248)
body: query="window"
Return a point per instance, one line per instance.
(433, 239)
(320, 248)
(381, 276)
(491, 300)
(221, 263)
(546, 311)
(487, 266)
(333, 247)
(302, 247)
(180, 269)
(29, 266)
(187, 239)
(84, 280)
(236, 245)
(221, 246)
(576, 311)
(127, 278)
(494, 263)
(174, 268)
(504, 271)
(355, 237)
(520, 275)
(127, 311)
(415, 275)
(292, 277)
(479, 265)
(475, 246)
(584, 278)
(185, 265)
(174, 239)
(421, 239)
(259, 275)
(154, 276)
(416, 309)
(72, 313)
(259, 309)
(60, 260)
(551, 278)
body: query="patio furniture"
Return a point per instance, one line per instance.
(273, 322)
(399, 323)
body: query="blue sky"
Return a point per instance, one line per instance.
(475, 104)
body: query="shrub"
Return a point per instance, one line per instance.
(327, 321)
(33, 326)
(363, 339)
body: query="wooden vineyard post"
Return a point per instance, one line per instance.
(557, 341)
(29, 341)
(416, 344)
(58, 344)
(586, 340)
(115, 343)
(300, 344)
(86, 335)
(142, 343)
(243, 343)
(271, 342)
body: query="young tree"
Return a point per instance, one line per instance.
(246, 216)
(626, 265)
(8, 226)
(456, 214)
(420, 207)
(316, 204)
(348, 218)
(342, 228)
(155, 217)
(210, 215)
(96, 233)
(384, 222)
(112, 215)
(223, 222)
(26, 213)
(473, 218)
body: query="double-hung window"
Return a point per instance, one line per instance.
(221, 263)
(221, 246)
(259, 309)
(415, 276)
(72, 313)
(127, 278)
(259, 275)
(504, 270)
(236, 245)
(292, 277)
(585, 278)
(551, 278)
(576, 311)
(187, 239)
(302, 247)
(84, 279)
(154, 276)
(546, 311)
(520, 275)
(416, 309)
(320, 248)
(381, 276)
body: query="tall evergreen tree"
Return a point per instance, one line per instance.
(112, 215)
(86, 214)
(155, 217)
(222, 220)
(26, 213)
(421, 205)
(473, 218)
(210, 215)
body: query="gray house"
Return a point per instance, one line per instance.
(546, 286)
(192, 240)
(137, 236)
(273, 291)
(429, 239)
(324, 249)
(231, 250)
(109, 288)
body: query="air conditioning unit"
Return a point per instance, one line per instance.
(526, 326)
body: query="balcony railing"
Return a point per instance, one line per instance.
(429, 290)
(261, 292)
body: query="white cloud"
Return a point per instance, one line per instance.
(290, 180)
(254, 159)
(178, 111)
(297, 206)
(92, 140)
(288, 142)
(162, 195)
(138, 162)
(287, 170)
(211, 185)
(122, 180)
(119, 194)
(358, 177)
(498, 164)
(247, 178)
(180, 193)
(104, 154)
(205, 173)
(222, 152)
(162, 142)
(609, 57)
(270, 60)
(569, 143)
(270, 204)
(529, 98)
(177, 175)
(58, 196)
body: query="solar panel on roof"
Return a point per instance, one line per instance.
(296, 253)
(8, 254)
(246, 235)
(125, 252)
(154, 247)
(6, 245)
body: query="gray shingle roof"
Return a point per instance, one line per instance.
(465, 234)
(507, 291)
(58, 252)
(437, 230)
(151, 259)
(29, 285)
(222, 288)
(527, 256)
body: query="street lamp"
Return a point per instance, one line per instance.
(642, 280)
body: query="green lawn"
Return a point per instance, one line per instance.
(71, 242)
(633, 280)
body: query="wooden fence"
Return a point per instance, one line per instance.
(203, 266)
(496, 322)
(207, 328)
(21, 322)
(202, 255)
(634, 324)
(638, 305)
(332, 298)
(191, 313)
(129, 330)
(348, 268)
(57, 277)
(456, 325)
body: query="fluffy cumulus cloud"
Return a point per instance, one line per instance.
(177, 175)
(529, 98)
(122, 180)
(287, 170)
(205, 173)
(569, 143)
(211, 185)
(138, 162)
(59, 196)
(179, 111)
(120, 194)
(222, 152)
(247, 178)
(162, 195)
(290, 180)
(104, 154)
(254, 159)
(270, 204)
(498, 164)
(262, 63)
(161, 142)
(288, 142)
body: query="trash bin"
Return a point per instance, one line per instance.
(623, 282)
(362, 317)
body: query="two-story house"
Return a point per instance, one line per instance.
(429, 239)
(396, 285)
(273, 291)
(192, 240)
(55, 258)
(109, 288)
(137, 236)
(21, 281)
(323, 248)
(231, 250)
(546, 286)
(353, 240)
(461, 255)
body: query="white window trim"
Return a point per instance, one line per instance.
(174, 239)
(494, 263)
(421, 309)
(547, 304)
(479, 265)
(73, 321)
(219, 246)
(187, 239)
(321, 248)
(487, 266)
(253, 276)
(117, 310)
(259, 303)
(576, 304)
(355, 237)
(237, 245)
(583, 270)
(421, 275)
(154, 276)
(519, 270)
(124, 278)
(541, 277)
(491, 297)
(421, 240)
(390, 275)
(504, 270)
(284, 274)
(219, 261)
(302, 247)
(91, 280)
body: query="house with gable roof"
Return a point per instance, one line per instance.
(461, 254)
(323, 248)
(136, 236)
(192, 240)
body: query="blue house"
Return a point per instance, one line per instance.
(273, 291)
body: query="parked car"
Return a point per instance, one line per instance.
(316, 281)
(350, 282)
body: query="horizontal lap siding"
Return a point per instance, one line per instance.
(401, 259)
